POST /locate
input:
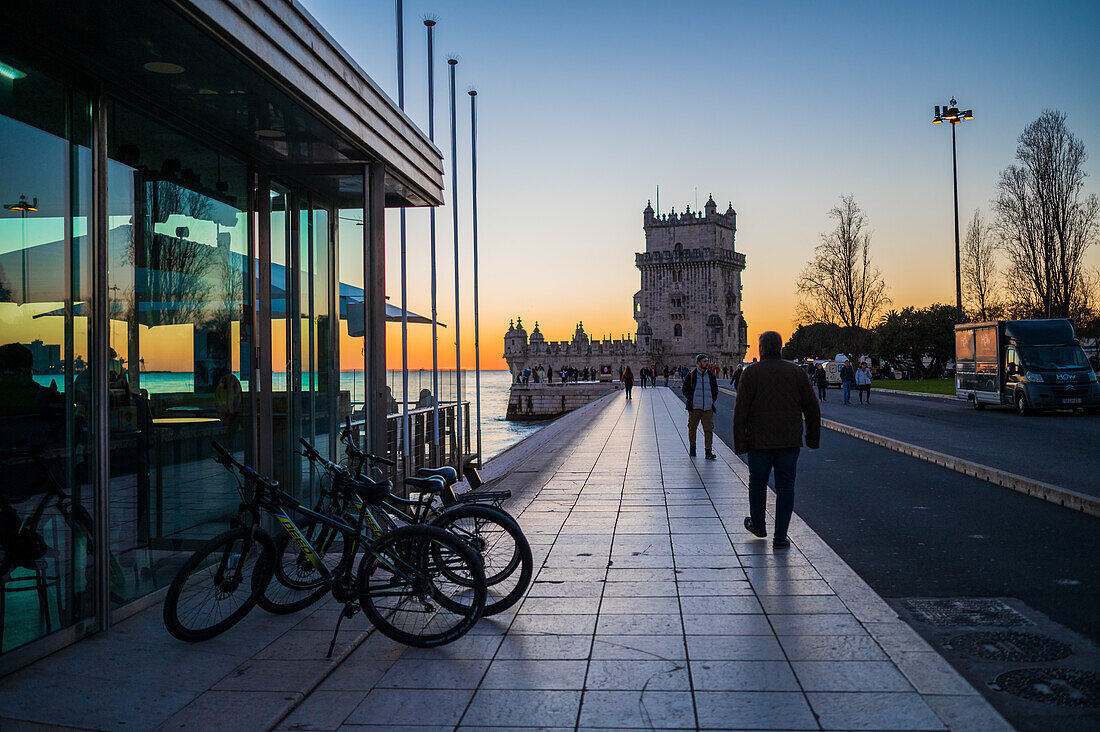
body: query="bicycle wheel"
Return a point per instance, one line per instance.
(219, 584)
(405, 592)
(296, 583)
(503, 549)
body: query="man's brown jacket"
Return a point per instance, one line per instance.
(772, 398)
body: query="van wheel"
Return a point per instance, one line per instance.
(1092, 410)
(1022, 408)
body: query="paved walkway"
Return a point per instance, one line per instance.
(654, 609)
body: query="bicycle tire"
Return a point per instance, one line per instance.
(193, 626)
(399, 604)
(502, 547)
(296, 584)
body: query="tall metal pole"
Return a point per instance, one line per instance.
(958, 266)
(430, 25)
(404, 265)
(453, 62)
(477, 331)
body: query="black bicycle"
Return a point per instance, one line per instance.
(404, 581)
(496, 537)
(477, 516)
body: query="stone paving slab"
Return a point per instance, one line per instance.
(652, 608)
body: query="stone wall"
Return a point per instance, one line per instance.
(546, 401)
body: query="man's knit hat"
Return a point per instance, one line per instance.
(700, 357)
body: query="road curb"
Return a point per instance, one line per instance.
(922, 394)
(1089, 505)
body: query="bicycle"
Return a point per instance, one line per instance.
(492, 533)
(402, 582)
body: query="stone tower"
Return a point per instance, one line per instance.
(690, 301)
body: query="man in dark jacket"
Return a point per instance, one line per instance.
(772, 399)
(701, 391)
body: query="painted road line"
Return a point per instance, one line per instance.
(1054, 494)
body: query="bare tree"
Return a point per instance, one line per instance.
(979, 269)
(840, 285)
(1046, 222)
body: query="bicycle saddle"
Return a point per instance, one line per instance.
(448, 474)
(434, 484)
(368, 491)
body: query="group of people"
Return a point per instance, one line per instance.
(775, 402)
(567, 374)
(859, 376)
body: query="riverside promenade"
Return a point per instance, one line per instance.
(651, 608)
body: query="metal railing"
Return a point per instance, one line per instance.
(418, 451)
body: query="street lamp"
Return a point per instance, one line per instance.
(23, 206)
(950, 113)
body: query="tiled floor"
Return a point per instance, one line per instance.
(652, 608)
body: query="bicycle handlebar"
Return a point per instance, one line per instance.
(355, 451)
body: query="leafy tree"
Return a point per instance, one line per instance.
(825, 340)
(910, 335)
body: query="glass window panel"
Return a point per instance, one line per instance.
(178, 268)
(47, 583)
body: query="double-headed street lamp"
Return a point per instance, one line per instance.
(950, 113)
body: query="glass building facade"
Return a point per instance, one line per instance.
(173, 271)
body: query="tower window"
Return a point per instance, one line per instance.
(678, 330)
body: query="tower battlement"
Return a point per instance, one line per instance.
(689, 302)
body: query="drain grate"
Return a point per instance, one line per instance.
(1010, 646)
(966, 612)
(1065, 687)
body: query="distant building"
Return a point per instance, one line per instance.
(47, 357)
(689, 302)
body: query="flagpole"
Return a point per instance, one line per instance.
(453, 62)
(404, 265)
(477, 331)
(430, 25)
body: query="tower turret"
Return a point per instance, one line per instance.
(710, 206)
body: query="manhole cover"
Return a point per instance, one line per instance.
(1010, 647)
(1066, 687)
(966, 612)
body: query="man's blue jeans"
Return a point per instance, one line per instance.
(847, 392)
(761, 463)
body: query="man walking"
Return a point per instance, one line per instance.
(701, 391)
(773, 398)
(846, 379)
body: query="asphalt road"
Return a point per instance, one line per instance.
(913, 529)
(1061, 448)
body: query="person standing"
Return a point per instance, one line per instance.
(701, 391)
(736, 378)
(863, 381)
(628, 381)
(846, 379)
(822, 381)
(774, 398)
(666, 374)
(642, 375)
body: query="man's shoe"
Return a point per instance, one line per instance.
(691, 451)
(752, 528)
(781, 543)
(711, 455)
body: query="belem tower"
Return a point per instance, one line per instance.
(689, 303)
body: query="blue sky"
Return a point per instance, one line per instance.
(781, 107)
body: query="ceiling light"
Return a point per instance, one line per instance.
(163, 67)
(271, 134)
(10, 72)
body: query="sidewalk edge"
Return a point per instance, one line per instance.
(1065, 497)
